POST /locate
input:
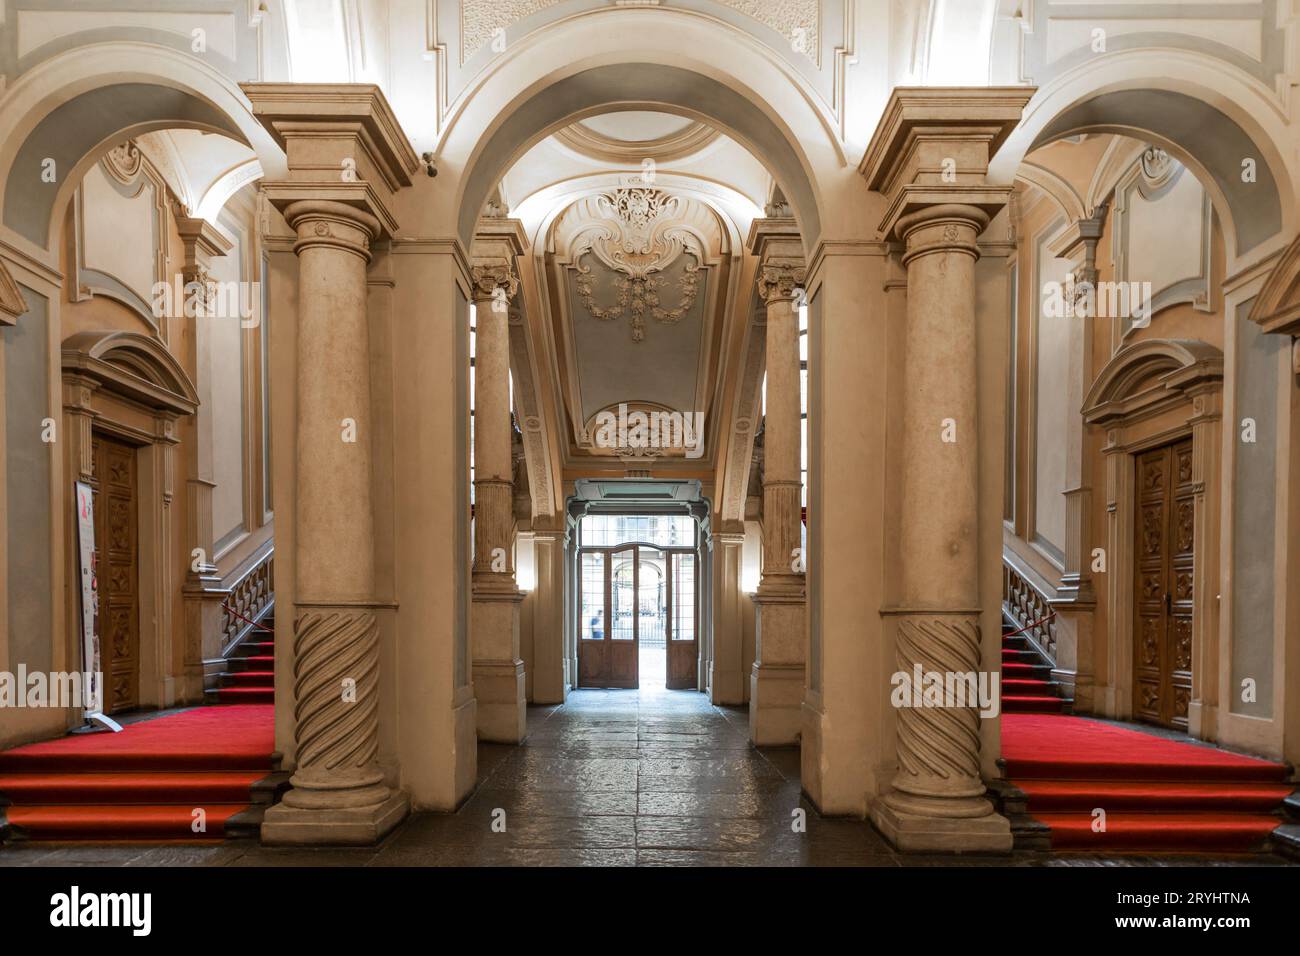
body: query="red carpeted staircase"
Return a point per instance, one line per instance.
(1027, 685)
(1156, 794)
(146, 782)
(249, 677)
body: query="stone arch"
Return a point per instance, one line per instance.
(75, 106)
(1162, 98)
(586, 93)
(1069, 202)
(541, 87)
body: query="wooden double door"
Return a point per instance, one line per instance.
(638, 617)
(117, 569)
(1165, 540)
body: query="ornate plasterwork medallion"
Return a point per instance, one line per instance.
(1158, 167)
(123, 162)
(636, 237)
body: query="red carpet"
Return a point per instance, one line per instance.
(143, 783)
(249, 677)
(1027, 685)
(1157, 794)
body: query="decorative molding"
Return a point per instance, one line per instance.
(932, 147)
(1277, 307)
(1147, 376)
(1153, 176)
(798, 21)
(675, 146)
(334, 644)
(134, 366)
(124, 162)
(130, 173)
(637, 235)
(346, 144)
(12, 302)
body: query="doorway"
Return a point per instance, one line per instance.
(1162, 597)
(117, 562)
(638, 615)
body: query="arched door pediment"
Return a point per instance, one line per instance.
(133, 366)
(1147, 374)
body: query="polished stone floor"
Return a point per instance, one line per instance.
(612, 778)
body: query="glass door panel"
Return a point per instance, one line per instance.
(623, 618)
(683, 647)
(593, 618)
(622, 607)
(652, 619)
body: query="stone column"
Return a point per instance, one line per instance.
(498, 669)
(938, 786)
(929, 157)
(347, 157)
(777, 679)
(339, 794)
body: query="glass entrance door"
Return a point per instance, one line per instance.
(637, 614)
(607, 620)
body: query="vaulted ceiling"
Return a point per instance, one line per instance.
(641, 296)
(637, 279)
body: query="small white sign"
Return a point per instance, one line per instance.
(90, 648)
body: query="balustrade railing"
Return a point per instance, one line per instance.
(1029, 607)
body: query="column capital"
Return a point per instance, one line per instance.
(323, 222)
(343, 145)
(933, 145)
(487, 278)
(202, 242)
(777, 245)
(779, 281)
(942, 227)
(498, 242)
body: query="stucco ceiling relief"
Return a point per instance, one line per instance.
(635, 236)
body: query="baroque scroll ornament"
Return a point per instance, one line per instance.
(638, 241)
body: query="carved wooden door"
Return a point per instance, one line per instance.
(1165, 529)
(117, 563)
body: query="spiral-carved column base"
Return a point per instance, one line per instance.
(937, 801)
(338, 795)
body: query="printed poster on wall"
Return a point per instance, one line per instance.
(90, 649)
